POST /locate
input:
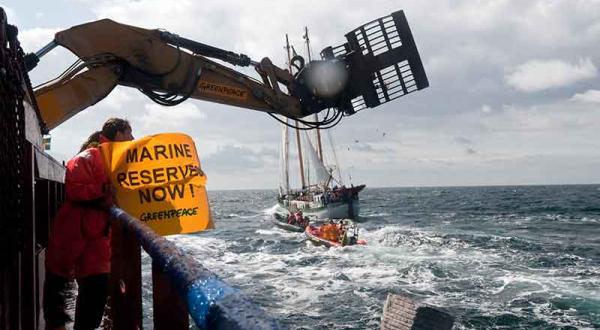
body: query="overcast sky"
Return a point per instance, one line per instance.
(514, 94)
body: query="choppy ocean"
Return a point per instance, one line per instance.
(524, 257)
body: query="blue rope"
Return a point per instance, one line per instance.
(202, 295)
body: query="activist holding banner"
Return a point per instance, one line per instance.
(158, 180)
(79, 243)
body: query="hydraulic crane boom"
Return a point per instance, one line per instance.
(169, 69)
(114, 54)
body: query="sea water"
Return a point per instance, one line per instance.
(522, 257)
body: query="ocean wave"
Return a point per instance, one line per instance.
(407, 236)
(374, 215)
(271, 210)
(504, 263)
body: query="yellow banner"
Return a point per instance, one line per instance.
(158, 182)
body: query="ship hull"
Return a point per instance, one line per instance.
(333, 204)
(336, 210)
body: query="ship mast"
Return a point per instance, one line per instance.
(286, 162)
(316, 116)
(287, 48)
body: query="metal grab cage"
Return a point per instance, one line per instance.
(384, 62)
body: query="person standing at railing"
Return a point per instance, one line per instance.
(79, 244)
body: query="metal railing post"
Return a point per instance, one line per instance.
(126, 279)
(212, 303)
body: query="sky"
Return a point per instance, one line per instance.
(514, 94)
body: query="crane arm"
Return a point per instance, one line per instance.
(113, 53)
(379, 63)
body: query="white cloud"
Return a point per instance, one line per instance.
(590, 96)
(256, 28)
(11, 15)
(536, 75)
(466, 55)
(463, 140)
(157, 117)
(486, 109)
(240, 159)
(34, 39)
(121, 96)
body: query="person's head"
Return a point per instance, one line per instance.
(117, 129)
(92, 141)
(114, 129)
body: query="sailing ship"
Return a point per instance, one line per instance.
(323, 194)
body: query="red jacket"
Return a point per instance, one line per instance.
(80, 237)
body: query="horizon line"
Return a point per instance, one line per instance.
(426, 186)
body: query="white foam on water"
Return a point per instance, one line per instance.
(300, 286)
(534, 284)
(274, 231)
(445, 215)
(373, 215)
(590, 220)
(271, 210)
(251, 216)
(558, 318)
(289, 234)
(483, 268)
(439, 270)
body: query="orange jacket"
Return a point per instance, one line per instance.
(330, 232)
(79, 242)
